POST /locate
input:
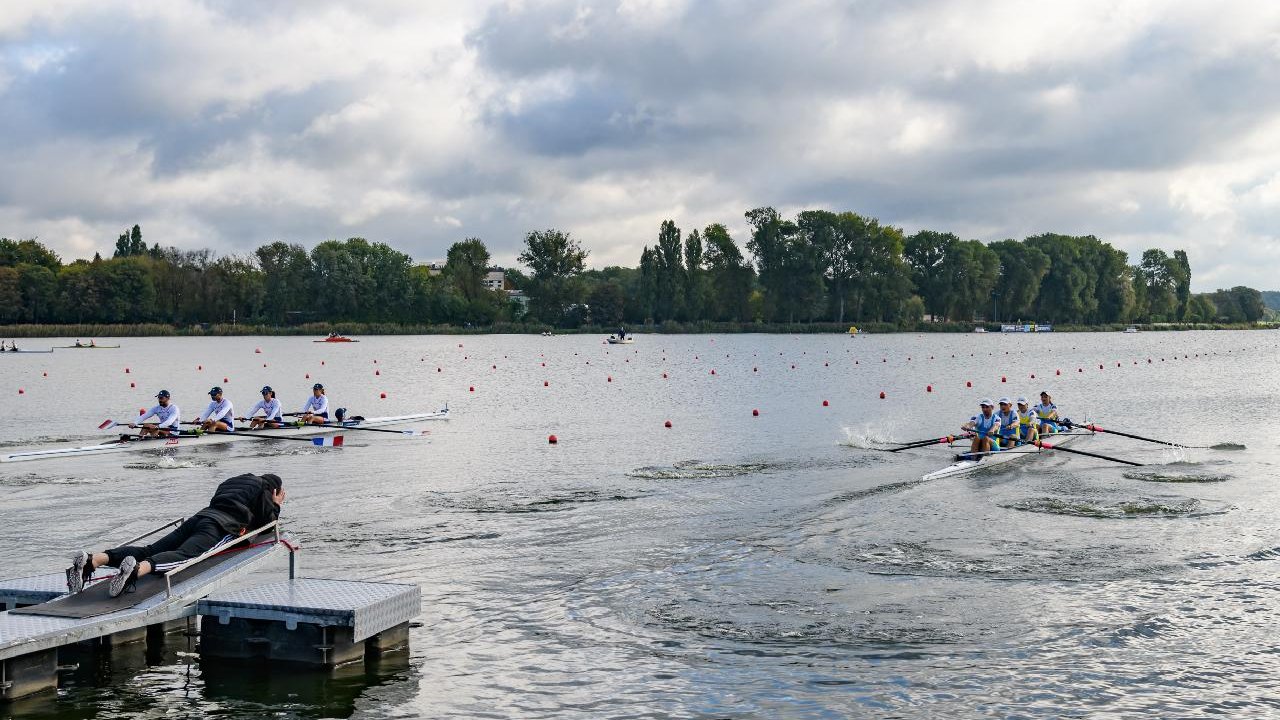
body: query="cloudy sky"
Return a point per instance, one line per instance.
(229, 124)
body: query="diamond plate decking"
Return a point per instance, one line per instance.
(367, 607)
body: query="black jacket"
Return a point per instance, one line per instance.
(242, 503)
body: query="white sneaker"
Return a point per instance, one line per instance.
(125, 579)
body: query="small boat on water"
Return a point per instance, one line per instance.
(218, 438)
(336, 338)
(980, 329)
(91, 346)
(615, 340)
(13, 348)
(1131, 329)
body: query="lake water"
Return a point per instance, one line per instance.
(731, 565)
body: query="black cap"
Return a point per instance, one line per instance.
(317, 386)
(273, 480)
(215, 391)
(162, 393)
(267, 389)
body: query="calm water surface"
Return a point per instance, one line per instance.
(729, 566)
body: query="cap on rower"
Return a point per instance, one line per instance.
(986, 402)
(215, 391)
(1005, 401)
(1023, 401)
(317, 386)
(267, 389)
(162, 393)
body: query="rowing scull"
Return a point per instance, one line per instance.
(968, 465)
(185, 441)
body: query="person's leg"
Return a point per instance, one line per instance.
(205, 534)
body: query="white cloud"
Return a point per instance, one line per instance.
(224, 125)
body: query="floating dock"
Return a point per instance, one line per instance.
(311, 622)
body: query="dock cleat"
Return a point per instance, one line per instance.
(126, 579)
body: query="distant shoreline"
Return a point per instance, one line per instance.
(319, 331)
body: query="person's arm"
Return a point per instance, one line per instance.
(323, 405)
(142, 420)
(204, 415)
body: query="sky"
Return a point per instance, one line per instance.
(227, 125)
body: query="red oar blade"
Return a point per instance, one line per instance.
(107, 424)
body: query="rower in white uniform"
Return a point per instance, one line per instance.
(316, 411)
(219, 416)
(167, 415)
(270, 408)
(985, 427)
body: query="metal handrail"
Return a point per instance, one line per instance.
(168, 583)
(179, 521)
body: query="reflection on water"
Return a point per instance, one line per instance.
(743, 564)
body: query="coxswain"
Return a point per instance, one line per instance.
(270, 408)
(168, 416)
(219, 416)
(1048, 414)
(316, 411)
(1008, 423)
(1028, 423)
(985, 427)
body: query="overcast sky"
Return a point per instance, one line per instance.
(229, 124)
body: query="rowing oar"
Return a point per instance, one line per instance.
(925, 443)
(335, 441)
(1047, 446)
(1097, 429)
(340, 426)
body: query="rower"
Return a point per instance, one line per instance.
(316, 411)
(168, 415)
(270, 408)
(985, 427)
(78, 343)
(1028, 427)
(1008, 423)
(1048, 414)
(219, 416)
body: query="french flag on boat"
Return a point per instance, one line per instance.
(335, 441)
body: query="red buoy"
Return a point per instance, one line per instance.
(664, 376)
(928, 388)
(881, 394)
(667, 424)
(825, 403)
(968, 383)
(439, 370)
(1004, 379)
(755, 413)
(199, 367)
(21, 391)
(131, 385)
(1033, 376)
(1057, 372)
(471, 389)
(546, 384)
(382, 396)
(713, 372)
(377, 372)
(307, 376)
(126, 371)
(44, 374)
(257, 351)
(552, 439)
(610, 379)
(225, 380)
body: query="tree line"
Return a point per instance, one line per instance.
(820, 266)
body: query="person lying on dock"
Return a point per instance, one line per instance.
(242, 503)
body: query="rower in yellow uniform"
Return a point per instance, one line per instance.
(1048, 414)
(1028, 423)
(985, 427)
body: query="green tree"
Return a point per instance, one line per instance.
(466, 265)
(695, 296)
(16, 252)
(11, 308)
(729, 276)
(1022, 268)
(39, 292)
(925, 253)
(289, 280)
(555, 261)
(606, 302)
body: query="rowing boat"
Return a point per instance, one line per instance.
(216, 438)
(338, 338)
(25, 351)
(968, 465)
(87, 347)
